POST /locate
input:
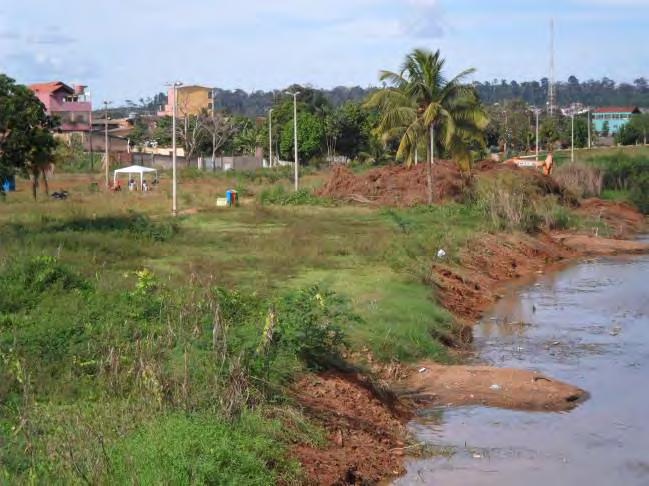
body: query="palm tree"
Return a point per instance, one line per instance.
(427, 111)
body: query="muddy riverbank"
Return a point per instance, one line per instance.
(366, 432)
(587, 325)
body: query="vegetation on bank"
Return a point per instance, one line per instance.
(134, 347)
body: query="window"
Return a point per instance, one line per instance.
(209, 106)
(210, 94)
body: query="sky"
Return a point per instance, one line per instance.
(130, 49)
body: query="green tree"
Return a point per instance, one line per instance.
(421, 104)
(635, 131)
(26, 141)
(310, 134)
(549, 133)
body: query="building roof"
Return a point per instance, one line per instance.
(617, 109)
(51, 87)
(192, 86)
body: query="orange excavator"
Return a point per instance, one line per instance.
(546, 166)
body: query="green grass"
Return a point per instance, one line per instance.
(201, 450)
(114, 368)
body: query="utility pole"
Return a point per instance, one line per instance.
(270, 137)
(107, 162)
(296, 163)
(572, 135)
(551, 88)
(537, 112)
(589, 129)
(174, 200)
(92, 154)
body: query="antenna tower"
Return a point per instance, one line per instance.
(552, 95)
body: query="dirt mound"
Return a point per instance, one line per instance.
(365, 434)
(396, 185)
(589, 245)
(494, 387)
(470, 288)
(624, 218)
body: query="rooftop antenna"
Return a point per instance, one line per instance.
(551, 88)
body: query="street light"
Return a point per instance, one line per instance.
(572, 135)
(174, 205)
(537, 112)
(270, 137)
(589, 129)
(296, 163)
(106, 103)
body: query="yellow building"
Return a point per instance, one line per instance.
(192, 100)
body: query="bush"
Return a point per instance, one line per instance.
(639, 194)
(134, 224)
(22, 282)
(280, 196)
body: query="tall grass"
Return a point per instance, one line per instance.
(583, 180)
(202, 361)
(513, 201)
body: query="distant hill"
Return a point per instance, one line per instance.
(592, 93)
(257, 103)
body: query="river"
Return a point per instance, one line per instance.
(587, 325)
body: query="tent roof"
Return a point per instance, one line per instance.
(134, 169)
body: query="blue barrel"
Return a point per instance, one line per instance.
(9, 184)
(228, 197)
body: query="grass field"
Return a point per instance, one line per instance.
(108, 334)
(134, 345)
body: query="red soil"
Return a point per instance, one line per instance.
(366, 434)
(396, 185)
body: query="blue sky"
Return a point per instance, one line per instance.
(128, 49)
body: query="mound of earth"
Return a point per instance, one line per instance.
(396, 185)
(469, 289)
(624, 218)
(493, 387)
(365, 432)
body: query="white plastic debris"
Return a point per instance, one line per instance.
(441, 253)
(422, 370)
(495, 387)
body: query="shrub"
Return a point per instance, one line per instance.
(280, 196)
(134, 224)
(22, 282)
(639, 194)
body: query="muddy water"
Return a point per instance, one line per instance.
(587, 325)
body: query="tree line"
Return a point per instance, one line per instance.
(602, 92)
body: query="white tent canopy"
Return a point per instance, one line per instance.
(134, 169)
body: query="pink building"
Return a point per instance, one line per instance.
(70, 105)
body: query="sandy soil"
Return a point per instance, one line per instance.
(588, 245)
(494, 387)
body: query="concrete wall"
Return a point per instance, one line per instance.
(221, 163)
